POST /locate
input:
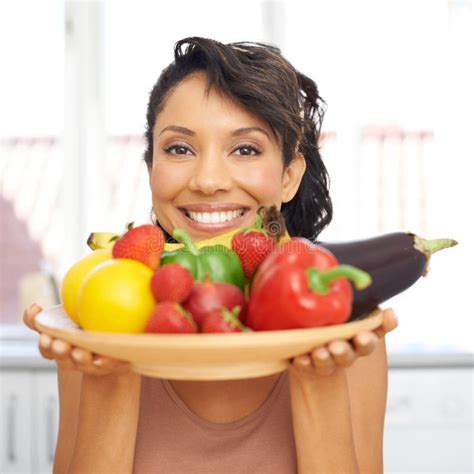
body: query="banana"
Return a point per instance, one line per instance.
(102, 240)
(222, 239)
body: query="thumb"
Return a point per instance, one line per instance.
(30, 314)
(389, 323)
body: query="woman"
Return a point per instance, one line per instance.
(229, 128)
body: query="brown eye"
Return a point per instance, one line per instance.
(177, 150)
(247, 150)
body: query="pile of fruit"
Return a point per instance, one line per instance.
(261, 280)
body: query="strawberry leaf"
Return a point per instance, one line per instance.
(232, 317)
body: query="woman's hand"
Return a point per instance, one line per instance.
(70, 357)
(324, 360)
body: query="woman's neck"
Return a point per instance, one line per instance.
(225, 401)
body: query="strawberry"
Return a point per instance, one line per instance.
(207, 296)
(171, 282)
(252, 248)
(254, 244)
(223, 320)
(144, 243)
(170, 317)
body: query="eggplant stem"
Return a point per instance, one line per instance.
(430, 246)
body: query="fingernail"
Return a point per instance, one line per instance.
(338, 349)
(98, 362)
(305, 362)
(392, 321)
(321, 353)
(58, 347)
(45, 341)
(76, 355)
(363, 339)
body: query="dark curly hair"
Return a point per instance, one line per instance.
(258, 77)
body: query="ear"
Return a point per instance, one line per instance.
(292, 176)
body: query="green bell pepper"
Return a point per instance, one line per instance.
(219, 262)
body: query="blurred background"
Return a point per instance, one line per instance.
(397, 76)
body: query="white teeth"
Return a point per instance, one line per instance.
(215, 217)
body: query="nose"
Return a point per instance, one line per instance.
(211, 174)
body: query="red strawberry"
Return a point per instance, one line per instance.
(171, 282)
(144, 243)
(252, 248)
(223, 320)
(207, 296)
(170, 317)
(254, 244)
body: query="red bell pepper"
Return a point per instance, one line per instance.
(301, 285)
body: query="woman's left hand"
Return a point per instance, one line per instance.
(324, 360)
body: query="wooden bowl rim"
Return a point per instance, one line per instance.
(226, 340)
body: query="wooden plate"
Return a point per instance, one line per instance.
(202, 356)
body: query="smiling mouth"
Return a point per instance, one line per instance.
(214, 217)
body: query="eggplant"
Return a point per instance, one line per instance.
(395, 262)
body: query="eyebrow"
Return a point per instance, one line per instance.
(175, 128)
(237, 132)
(244, 130)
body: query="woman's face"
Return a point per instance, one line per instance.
(214, 163)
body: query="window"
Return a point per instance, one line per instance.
(31, 123)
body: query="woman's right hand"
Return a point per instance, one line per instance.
(71, 357)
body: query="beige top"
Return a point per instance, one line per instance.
(172, 439)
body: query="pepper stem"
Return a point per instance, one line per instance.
(319, 281)
(182, 236)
